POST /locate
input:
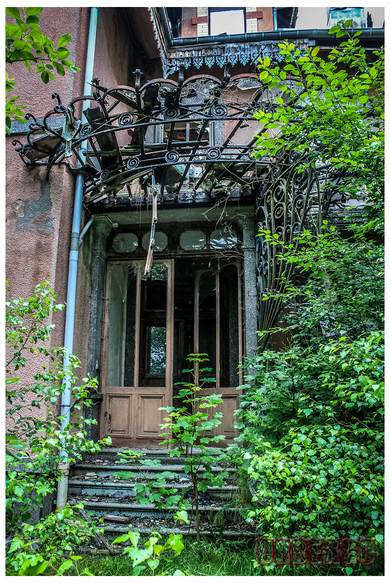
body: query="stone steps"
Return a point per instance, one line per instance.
(109, 489)
(112, 454)
(82, 469)
(95, 482)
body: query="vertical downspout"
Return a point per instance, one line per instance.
(62, 487)
(275, 14)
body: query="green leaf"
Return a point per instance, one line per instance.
(34, 11)
(13, 31)
(62, 53)
(37, 569)
(175, 542)
(32, 19)
(153, 563)
(45, 76)
(64, 40)
(14, 12)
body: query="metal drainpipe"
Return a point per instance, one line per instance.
(62, 487)
(275, 15)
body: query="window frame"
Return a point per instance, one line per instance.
(225, 9)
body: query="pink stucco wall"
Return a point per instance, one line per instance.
(39, 211)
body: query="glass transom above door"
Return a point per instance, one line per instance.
(160, 241)
(125, 243)
(192, 240)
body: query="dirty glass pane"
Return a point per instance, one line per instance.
(153, 326)
(192, 240)
(207, 320)
(157, 350)
(229, 326)
(121, 327)
(161, 241)
(125, 243)
(223, 240)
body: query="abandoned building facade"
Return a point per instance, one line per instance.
(133, 190)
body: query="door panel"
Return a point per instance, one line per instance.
(118, 417)
(217, 331)
(149, 415)
(138, 352)
(150, 325)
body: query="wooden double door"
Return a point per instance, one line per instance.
(151, 324)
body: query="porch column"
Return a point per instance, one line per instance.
(101, 229)
(247, 225)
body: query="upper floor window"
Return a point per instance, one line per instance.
(226, 21)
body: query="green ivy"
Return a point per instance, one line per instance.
(35, 441)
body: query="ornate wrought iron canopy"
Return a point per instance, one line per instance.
(187, 141)
(193, 139)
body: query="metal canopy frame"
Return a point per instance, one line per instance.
(130, 141)
(127, 161)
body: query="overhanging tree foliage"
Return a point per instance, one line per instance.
(24, 42)
(312, 414)
(332, 114)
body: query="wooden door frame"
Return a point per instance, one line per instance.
(134, 393)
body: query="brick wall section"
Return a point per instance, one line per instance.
(187, 28)
(268, 21)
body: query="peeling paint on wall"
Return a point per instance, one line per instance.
(35, 215)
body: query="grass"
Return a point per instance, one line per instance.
(214, 558)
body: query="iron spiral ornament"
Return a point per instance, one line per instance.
(126, 119)
(104, 175)
(213, 153)
(172, 157)
(85, 130)
(171, 112)
(132, 163)
(219, 110)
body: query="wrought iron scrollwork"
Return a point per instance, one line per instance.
(171, 112)
(213, 153)
(284, 209)
(219, 110)
(126, 119)
(85, 130)
(57, 108)
(132, 163)
(104, 175)
(172, 157)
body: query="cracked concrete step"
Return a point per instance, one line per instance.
(140, 510)
(153, 471)
(108, 454)
(115, 530)
(106, 489)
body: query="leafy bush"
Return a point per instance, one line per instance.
(153, 553)
(36, 548)
(316, 458)
(36, 444)
(186, 428)
(311, 418)
(331, 114)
